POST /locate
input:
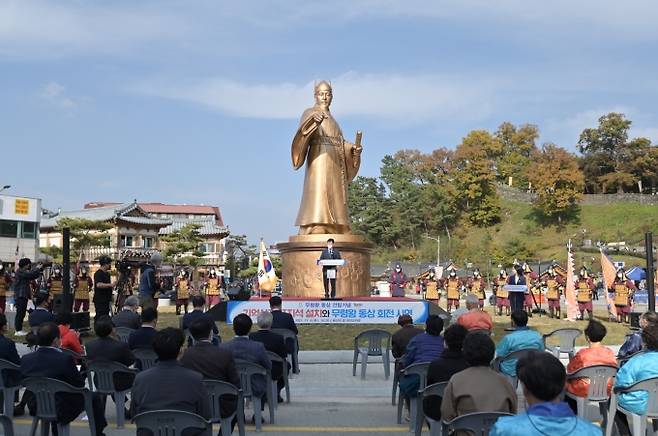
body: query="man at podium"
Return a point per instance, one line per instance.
(329, 271)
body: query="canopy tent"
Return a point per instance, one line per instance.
(636, 274)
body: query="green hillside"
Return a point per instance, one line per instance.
(520, 235)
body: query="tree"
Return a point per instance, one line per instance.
(518, 150)
(183, 247)
(85, 234)
(558, 182)
(239, 254)
(475, 178)
(369, 212)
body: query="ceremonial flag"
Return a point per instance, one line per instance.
(570, 292)
(266, 276)
(609, 273)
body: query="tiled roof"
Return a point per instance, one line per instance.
(105, 213)
(182, 209)
(208, 227)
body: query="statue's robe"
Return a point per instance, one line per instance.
(330, 167)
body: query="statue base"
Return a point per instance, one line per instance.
(302, 277)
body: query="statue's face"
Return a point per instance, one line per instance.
(323, 96)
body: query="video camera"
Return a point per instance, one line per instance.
(123, 266)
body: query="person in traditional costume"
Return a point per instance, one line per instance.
(212, 288)
(554, 285)
(623, 290)
(397, 281)
(452, 286)
(432, 288)
(502, 296)
(476, 286)
(82, 285)
(531, 280)
(5, 285)
(584, 290)
(182, 291)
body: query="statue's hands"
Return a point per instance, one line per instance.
(318, 117)
(356, 150)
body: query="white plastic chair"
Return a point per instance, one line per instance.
(377, 343)
(638, 423)
(567, 338)
(599, 376)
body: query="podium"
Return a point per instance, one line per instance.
(331, 273)
(516, 288)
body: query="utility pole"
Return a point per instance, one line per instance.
(438, 248)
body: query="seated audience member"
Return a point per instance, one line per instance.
(422, 348)
(638, 368)
(143, 336)
(128, 316)
(283, 320)
(401, 338)
(105, 347)
(273, 343)
(448, 364)
(475, 319)
(69, 339)
(9, 353)
(197, 312)
(634, 342)
(212, 362)
(542, 376)
(245, 349)
(49, 361)
(41, 314)
(522, 338)
(477, 388)
(168, 385)
(594, 354)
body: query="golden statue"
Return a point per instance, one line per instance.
(331, 164)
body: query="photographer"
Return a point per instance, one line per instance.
(103, 288)
(23, 290)
(149, 285)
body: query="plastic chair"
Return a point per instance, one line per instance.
(284, 363)
(638, 422)
(246, 370)
(433, 390)
(216, 389)
(567, 338)
(397, 368)
(7, 425)
(514, 355)
(598, 376)
(171, 422)
(145, 357)
(123, 333)
(378, 343)
(419, 369)
(44, 390)
(103, 383)
(290, 337)
(9, 390)
(622, 360)
(478, 424)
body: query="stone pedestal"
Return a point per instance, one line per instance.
(302, 277)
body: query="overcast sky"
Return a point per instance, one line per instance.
(197, 101)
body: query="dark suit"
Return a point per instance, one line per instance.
(170, 386)
(216, 364)
(440, 370)
(284, 320)
(141, 338)
(53, 363)
(401, 339)
(112, 350)
(275, 344)
(127, 318)
(8, 352)
(245, 349)
(327, 254)
(40, 316)
(516, 299)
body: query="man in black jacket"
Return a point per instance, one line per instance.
(168, 385)
(329, 272)
(41, 314)
(105, 347)
(283, 320)
(212, 362)
(23, 291)
(449, 363)
(198, 303)
(50, 361)
(401, 338)
(143, 336)
(273, 343)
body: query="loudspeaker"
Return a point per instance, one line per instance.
(62, 304)
(238, 293)
(80, 321)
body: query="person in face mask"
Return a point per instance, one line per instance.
(554, 284)
(431, 288)
(623, 290)
(452, 286)
(55, 284)
(82, 286)
(476, 285)
(212, 288)
(502, 296)
(398, 281)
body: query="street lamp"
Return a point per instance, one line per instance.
(438, 248)
(5, 187)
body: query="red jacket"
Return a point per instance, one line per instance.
(69, 339)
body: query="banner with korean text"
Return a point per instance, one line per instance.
(336, 312)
